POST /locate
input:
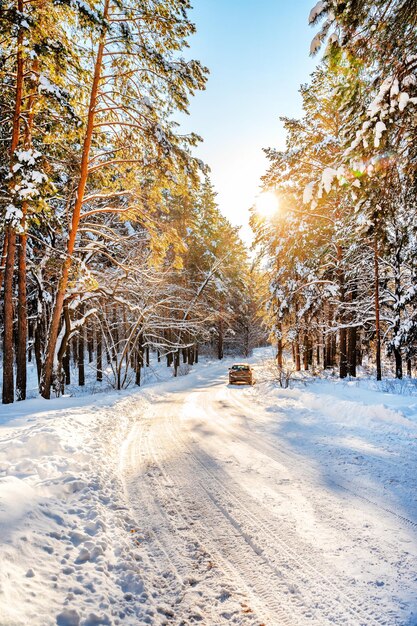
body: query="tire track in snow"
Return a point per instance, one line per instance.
(282, 560)
(172, 519)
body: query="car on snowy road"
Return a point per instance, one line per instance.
(241, 373)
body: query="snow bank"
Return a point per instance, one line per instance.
(66, 532)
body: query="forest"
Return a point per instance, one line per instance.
(341, 250)
(112, 243)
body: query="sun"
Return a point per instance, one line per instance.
(267, 204)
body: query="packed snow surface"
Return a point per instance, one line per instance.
(190, 501)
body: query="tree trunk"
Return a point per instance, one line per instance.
(47, 374)
(342, 353)
(176, 362)
(90, 343)
(409, 368)
(10, 234)
(220, 341)
(37, 348)
(279, 346)
(30, 340)
(305, 351)
(351, 351)
(333, 350)
(377, 313)
(328, 362)
(138, 368)
(342, 316)
(66, 365)
(139, 361)
(3, 260)
(80, 353)
(99, 356)
(398, 363)
(297, 356)
(22, 323)
(8, 353)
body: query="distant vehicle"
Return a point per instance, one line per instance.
(241, 373)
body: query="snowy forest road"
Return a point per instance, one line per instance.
(235, 526)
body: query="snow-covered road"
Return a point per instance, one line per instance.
(189, 501)
(242, 518)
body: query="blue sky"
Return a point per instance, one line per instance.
(258, 55)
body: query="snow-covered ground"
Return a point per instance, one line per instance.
(189, 501)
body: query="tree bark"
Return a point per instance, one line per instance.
(80, 353)
(90, 343)
(10, 233)
(99, 356)
(22, 324)
(47, 374)
(176, 362)
(3, 260)
(377, 313)
(8, 352)
(297, 355)
(305, 351)
(398, 363)
(22, 321)
(409, 368)
(342, 353)
(220, 340)
(351, 351)
(66, 365)
(279, 346)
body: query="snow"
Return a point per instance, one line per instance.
(403, 100)
(379, 129)
(13, 214)
(315, 12)
(308, 192)
(315, 44)
(188, 500)
(328, 176)
(28, 156)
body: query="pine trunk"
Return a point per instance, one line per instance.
(377, 313)
(297, 356)
(398, 363)
(220, 341)
(99, 356)
(48, 369)
(342, 353)
(80, 353)
(305, 351)
(22, 323)
(3, 260)
(8, 352)
(409, 368)
(351, 351)
(279, 346)
(66, 366)
(10, 234)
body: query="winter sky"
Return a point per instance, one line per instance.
(258, 55)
